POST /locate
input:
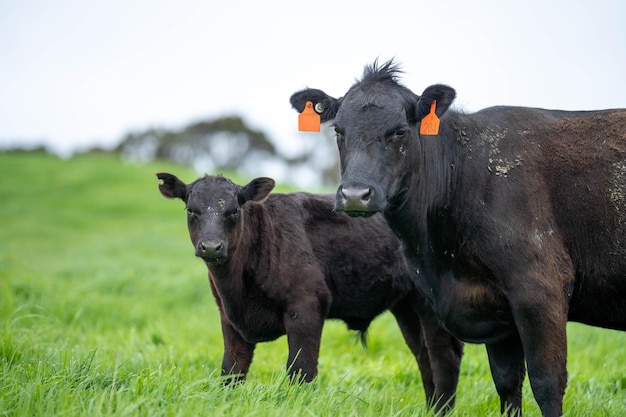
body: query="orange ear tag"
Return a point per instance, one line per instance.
(430, 122)
(309, 120)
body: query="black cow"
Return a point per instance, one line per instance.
(283, 263)
(513, 219)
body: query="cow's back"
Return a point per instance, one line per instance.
(585, 166)
(567, 171)
(586, 169)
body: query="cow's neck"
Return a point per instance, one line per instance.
(424, 212)
(429, 185)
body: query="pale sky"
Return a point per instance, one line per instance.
(75, 73)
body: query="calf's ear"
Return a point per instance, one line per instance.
(257, 190)
(172, 187)
(442, 93)
(323, 104)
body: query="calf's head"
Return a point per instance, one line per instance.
(377, 124)
(213, 204)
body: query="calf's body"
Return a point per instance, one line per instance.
(283, 263)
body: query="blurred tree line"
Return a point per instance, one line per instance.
(228, 144)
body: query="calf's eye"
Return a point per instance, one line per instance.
(233, 215)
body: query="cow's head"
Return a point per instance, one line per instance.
(377, 124)
(213, 205)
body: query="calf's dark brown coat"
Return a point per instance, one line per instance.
(283, 263)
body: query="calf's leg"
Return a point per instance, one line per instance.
(237, 354)
(438, 353)
(304, 322)
(411, 329)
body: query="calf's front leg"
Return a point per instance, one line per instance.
(438, 353)
(237, 354)
(303, 323)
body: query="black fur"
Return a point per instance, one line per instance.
(513, 219)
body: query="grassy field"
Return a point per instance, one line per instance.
(105, 311)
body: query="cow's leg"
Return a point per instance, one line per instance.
(543, 333)
(539, 298)
(506, 359)
(237, 354)
(547, 371)
(304, 322)
(444, 354)
(543, 344)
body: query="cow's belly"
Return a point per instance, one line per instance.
(473, 311)
(597, 306)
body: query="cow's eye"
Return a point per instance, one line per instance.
(190, 212)
(340, 138)
(400, 132)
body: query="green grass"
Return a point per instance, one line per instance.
(104, 310)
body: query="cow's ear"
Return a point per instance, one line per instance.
(257, 190)
(172, 187)
(323, 104)
(442, 93)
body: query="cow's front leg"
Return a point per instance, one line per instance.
(237, 354)
(545, 346)
(506, 359)
(539, 299)
(303, 322)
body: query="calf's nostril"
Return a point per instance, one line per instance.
(210, 247)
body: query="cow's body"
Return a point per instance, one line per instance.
(513, 219)
(283, 263)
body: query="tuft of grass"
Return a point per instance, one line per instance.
(105, 311)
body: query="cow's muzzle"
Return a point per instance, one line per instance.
(354, 199)
(212, 250)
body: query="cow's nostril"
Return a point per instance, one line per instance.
(356, 194)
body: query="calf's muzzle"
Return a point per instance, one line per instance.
(211, 250)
